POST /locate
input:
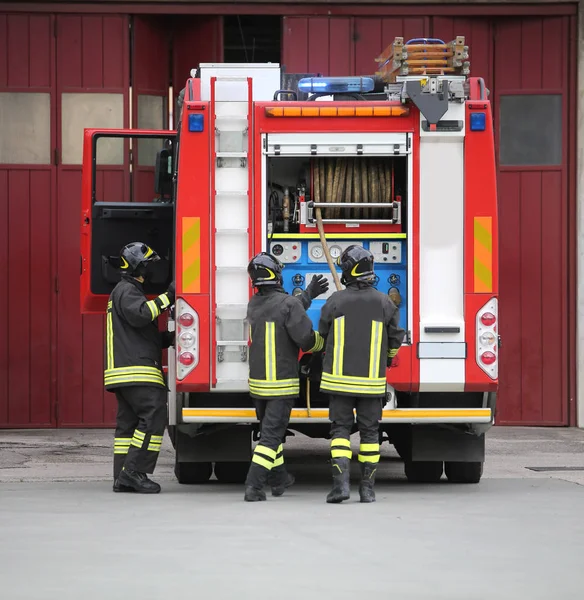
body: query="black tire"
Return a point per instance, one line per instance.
(464, 472)
(191, 473)
(423, 471)
(231, 472)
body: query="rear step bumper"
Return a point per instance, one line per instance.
(320, 415)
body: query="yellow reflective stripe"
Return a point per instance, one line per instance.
(138, 433)
(149, 252)
(262, 461)
(392, 352)
(156, 438)
(110, 336)
(133, 370)
(154, 310)
(154, 447)
(270, 351)
(341, 442)
(483, 254)
(280, 448)
(378, 390)
(121, 450)
(339, 346)
(133, 379)
(137, 443)
(164, 300)
(292, 391)
(336, 453)
(318, 342)
(279, 461)
(265, 450)
(369, 448)
(375, 349)
(275, 383)
(369, 459)
(354, 380)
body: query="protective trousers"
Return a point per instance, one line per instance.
(369, 412)
(139, 428)
(274, 417)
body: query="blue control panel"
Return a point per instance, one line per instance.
(303, 257)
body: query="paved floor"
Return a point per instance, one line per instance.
(64, 535)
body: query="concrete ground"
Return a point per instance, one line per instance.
(65, 535)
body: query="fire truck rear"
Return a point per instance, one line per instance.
(402, 163)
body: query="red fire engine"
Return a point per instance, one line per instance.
(402, 163)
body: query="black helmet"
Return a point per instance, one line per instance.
(135, 258)
(265, 269)
(357, 264)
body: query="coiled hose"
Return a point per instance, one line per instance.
(360, 180)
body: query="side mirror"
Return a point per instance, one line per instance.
(163, 173)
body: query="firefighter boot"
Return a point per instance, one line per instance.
(366, 492)
(279, 479)
(122, 488)
(341, 476)
(257, 478)
(139, 482)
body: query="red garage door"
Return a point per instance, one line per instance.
(528, 75)
(27, 221)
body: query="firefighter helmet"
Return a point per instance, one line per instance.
(265, 269)
(357, 264)
(135, 258)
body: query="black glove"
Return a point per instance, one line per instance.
(170, 292)
(318, 285)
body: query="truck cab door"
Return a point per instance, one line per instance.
(123, 203)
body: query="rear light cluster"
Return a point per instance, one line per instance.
(187, 339)
(488, 339)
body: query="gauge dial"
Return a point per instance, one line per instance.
(277, 249)
(316, 252)
(335, 251)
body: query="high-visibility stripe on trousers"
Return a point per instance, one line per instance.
(369, 453)
(264, 456)
(341, 448)
(122, 445)
(279, 461)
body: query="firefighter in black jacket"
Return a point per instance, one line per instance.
(133, 359)
(279, 327)
(362, 332)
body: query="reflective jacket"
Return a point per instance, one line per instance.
(362, 332)
(279, 327)
(133, 348)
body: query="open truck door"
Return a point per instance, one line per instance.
(127, 195)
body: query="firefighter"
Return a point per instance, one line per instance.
(279, 327)
(133, 371)
(362, 333)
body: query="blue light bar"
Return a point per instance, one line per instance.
(196, 122)
(478, 121)
(335, 85)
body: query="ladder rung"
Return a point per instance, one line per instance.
(231, 343)
(231, 154)
(231, 230)
(230, 193)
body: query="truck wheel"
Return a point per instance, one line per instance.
(231, 472)
(192, 472)
(423, 471)
(464, 472)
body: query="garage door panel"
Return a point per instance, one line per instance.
(554, 303)
(4, 317)
(340, 61)
(92, 384)
(531, 299)
(318, 49)
(295, 44)
(510, 389)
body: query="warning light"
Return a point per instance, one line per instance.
(478, 121)
(335, 85)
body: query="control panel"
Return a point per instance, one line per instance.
(304, 258)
